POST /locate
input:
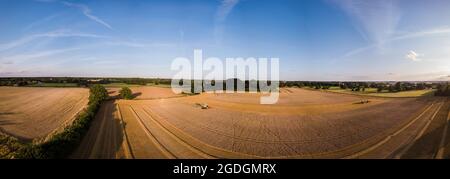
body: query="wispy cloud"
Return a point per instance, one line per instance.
(87, 12)
(40, 22)
(15, 73)
(375, 20)
(405, 36)
(413, 56)
(225, 8)
(436, 31)
(83, 8)
(45, 0)
(138, 44)
(53, 34)
(35, 55)
(14, 65)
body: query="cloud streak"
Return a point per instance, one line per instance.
(30, 56)
(139, 45)
(412, 35)
(87, 12)
(83, 8)
(225, 8)
(40, 22)
(53, 34)
(375, 20)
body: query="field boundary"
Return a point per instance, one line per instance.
(441, 148)
(126, 145)
(420, 134)
(390, 136)
(60, 128)
(152, 138)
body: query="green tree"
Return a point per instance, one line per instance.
(380, 88)
(126, 93)
(391, 88)
(97, 94)
(398, 86)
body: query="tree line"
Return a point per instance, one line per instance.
(443, 90)
(354, 86)
(80, 81)
(362, 86)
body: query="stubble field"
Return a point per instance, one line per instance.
(303, 124)
(32, 113)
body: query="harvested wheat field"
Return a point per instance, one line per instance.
(30, 113)
(303, 124)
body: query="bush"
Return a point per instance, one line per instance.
(9, 146)
(125, 93)
(97, 94)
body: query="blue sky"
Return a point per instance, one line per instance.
(314, 39)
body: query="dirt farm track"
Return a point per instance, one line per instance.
(303, 124)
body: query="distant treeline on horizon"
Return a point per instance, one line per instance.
(137, 80)
(442, 87)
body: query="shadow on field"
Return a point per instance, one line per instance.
(7, 122)
(135, 95)
(105, 136)
(427, 145)
(6, 113)
(18, 137)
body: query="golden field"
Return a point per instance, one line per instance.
(303, 124)
(31, 113)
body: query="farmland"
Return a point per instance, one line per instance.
(373, 92)
(303, 124)
(34, 112)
